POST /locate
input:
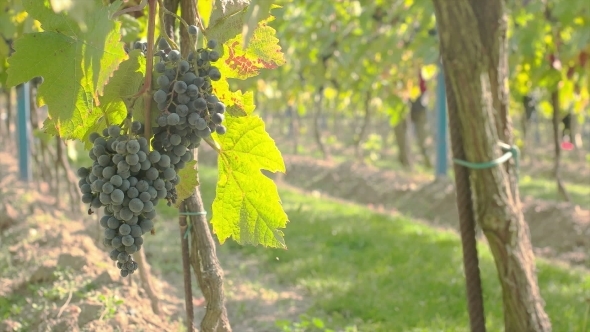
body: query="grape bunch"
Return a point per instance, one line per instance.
(189, 109)
(128, 181)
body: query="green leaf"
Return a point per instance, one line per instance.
(236, 103)
(227, 19)
(188, 182)
(205, 7)
(125, 82)
(76, 65)
(247, 206)
(257, 11)
(263, 51)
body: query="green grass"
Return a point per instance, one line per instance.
(384, 273)
(547, 189)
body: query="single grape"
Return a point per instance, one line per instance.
(217, 118)
(213, 56)
(142, 186)
(93, 136)
(162, 120)
(108, 172)
(160, 96)
(169, 174)
(204, 56)
(193, 118)
(174, 55)
(133, 147)
(200, 104)
(182, 110)
(163, 81)
(220, 130)
(214, 74)
(132, 192)
(126, 213)
(105, 199)
(154, 157)
(180, 87)
(175, 139)
(173, 119)
(132, 160)
(116, 180)
(117, 196)
(193, 30)
(148, 206)
(179, 150)
(211, 44)
(199, 81)
(124, 229)
(123, 166)
(83, 172)
(164, 161)
(219, 107)
(87, 198)
(201, 124)
(113, 223)
(183, 66)
(204, 133)
(163, 44)
(183, 99)
(160, 67)
(145, 196)
(107, 188)
(123, 257)
(127, 240)
(212, 99)
(146, 225)
(131, 249)
(110, 234)
(124, 273)
(114, 131)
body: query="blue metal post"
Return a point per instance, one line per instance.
(441, 126)
(23, 131)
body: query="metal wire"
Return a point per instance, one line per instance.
(466, 220)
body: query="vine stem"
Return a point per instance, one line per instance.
(203, 255)
(144, 270)
(186, 267)
(131, 9)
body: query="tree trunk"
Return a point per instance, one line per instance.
(360, 131)
(476, 75)
(296, 129)
(557, 144)
(403, 143)
(419, 116)
(317, 132)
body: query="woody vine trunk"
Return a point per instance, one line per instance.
(473, 49)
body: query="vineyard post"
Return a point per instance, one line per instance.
(441, 126)
(23, 131)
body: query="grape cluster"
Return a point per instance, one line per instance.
(189, 109)
(128, 180)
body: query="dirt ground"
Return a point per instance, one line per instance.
(55, 274)
(559, 231)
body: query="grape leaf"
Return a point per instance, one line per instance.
(257, 11)
(263, 51)
(247, 206)
(204, 8)
(226, 19)
(188, 182)
(75, 65)
(236, 102)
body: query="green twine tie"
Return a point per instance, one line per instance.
(188, 213)
(509, 152)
